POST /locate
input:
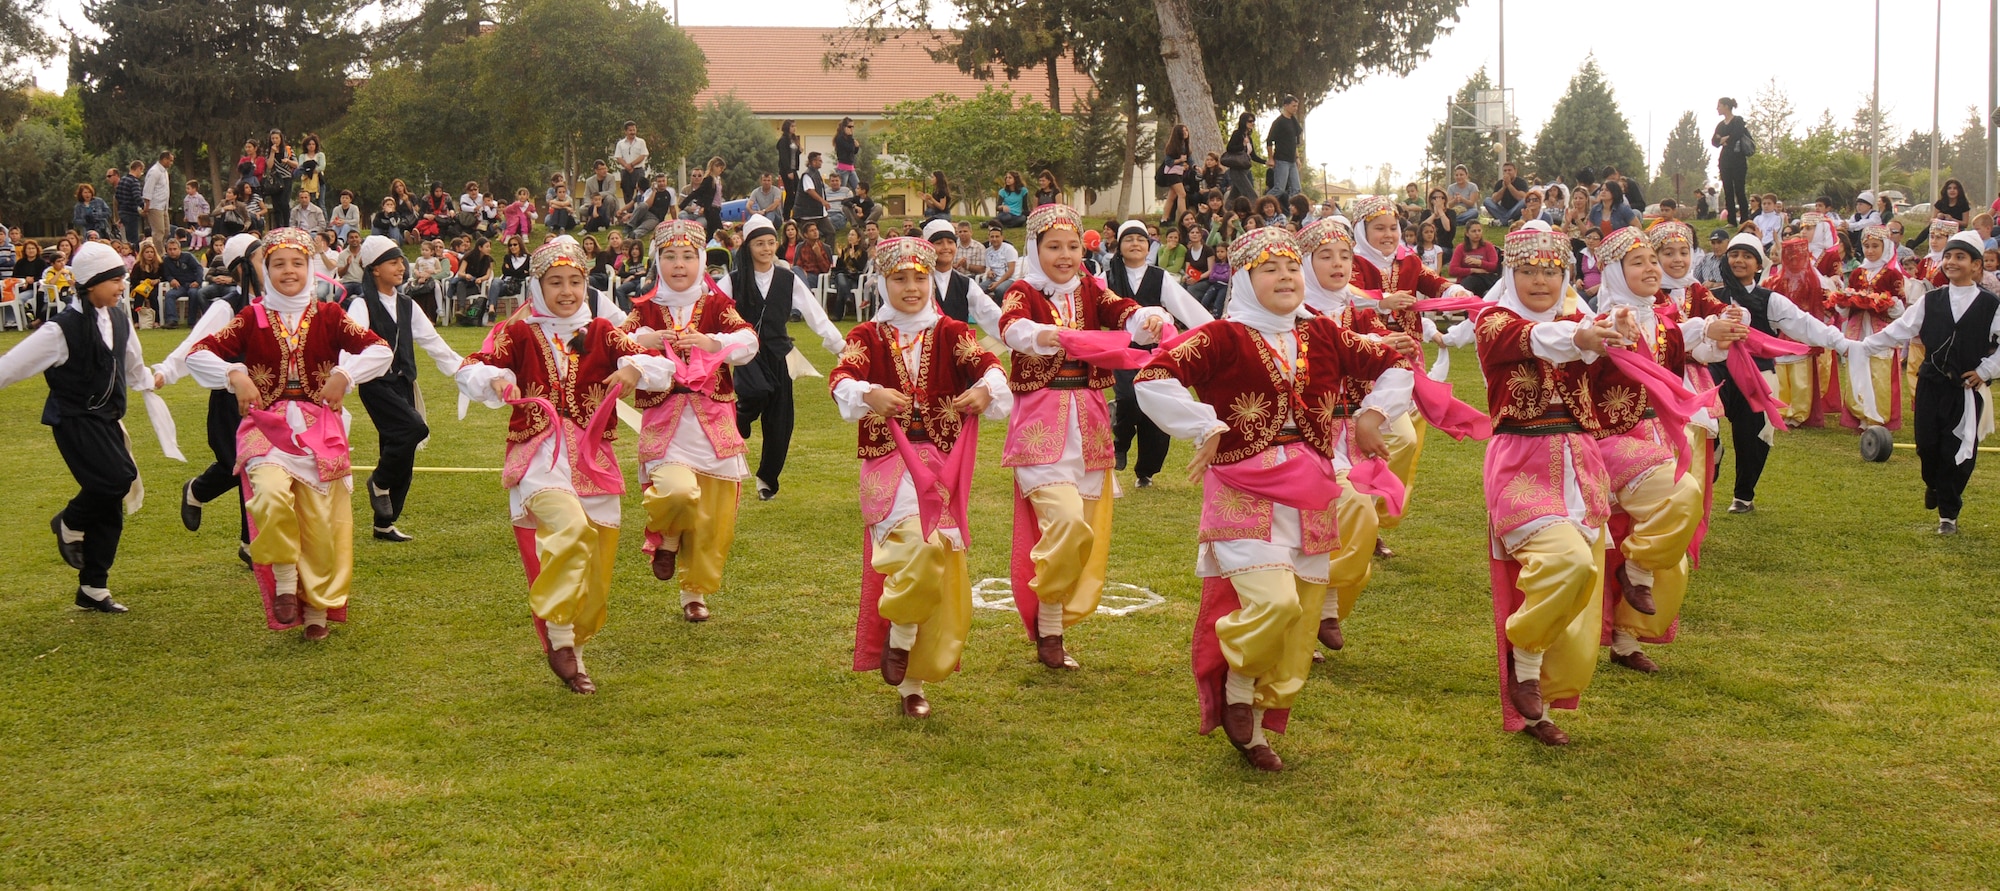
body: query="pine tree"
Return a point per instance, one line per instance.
(1683, 163)
(1476, 149)
(731, 131)
(1587, 130)
(1967, 156)
(1097, 133)
(1770, 117)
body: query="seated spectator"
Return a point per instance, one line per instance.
(143, 286)
(848, 267)
(632, 267)
(1510, 195)
(475, 272)
(349, 269)
(1610, 213)
(1428, 248)
(386, 222)
(562, 211)
(307, 215)
(519, 215)
(346, 217)
(1474, 262)
(427, 278)
(1172, 257)
(513, 271)
(1588, 275)
(812, 260)
(767, 199)
(601, 268)
(1462, 196)
(1013, 212)
(1002, 261)
(862, 210)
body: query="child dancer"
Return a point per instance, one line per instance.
(1271, 474)
(1806, 383)
(690, 453)
(560, 369)
(221, 476)
(290, 360)
(1551, 394)
(1872, 299)
(394, 401)
(1960, 326)
(1059, 440)
(910, 376)
(89, 356)
(1928, 274)
(1681, 298)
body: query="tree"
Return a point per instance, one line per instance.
(1770, 117)
(563, 75)
(976, 141)
(1683, 163)
(732, 132)
(21, 36)
(1967, 158)
(1586, 129)
(42, 157)
(1097, 134)
(1478, 150)
(1187, 76)
(1857, 138)
(184, 74)
(426, 26)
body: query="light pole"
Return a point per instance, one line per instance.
(1504, 122)
(1937, 56)
(1875, 111)
(1992, 87)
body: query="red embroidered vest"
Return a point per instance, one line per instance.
(713, 313)
(278, 359)
(520, 347)
(1596, 397)
(952, 361)
(1097, 309)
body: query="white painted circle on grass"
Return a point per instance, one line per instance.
(1119, 598)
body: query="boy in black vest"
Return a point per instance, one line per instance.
(1959, 325)
(766, 295)
(394, 401)
(89, 356)
(225, 301)
(958, 296)
(1147, 285)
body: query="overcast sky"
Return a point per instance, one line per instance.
(1658, 67)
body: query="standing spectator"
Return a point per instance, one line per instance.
(599, 183)
(1284, 146)
(280, 166)
(1175, 172)
(937, 201)
(810, 208)
(846, 149)
(345, 217)
(1048, 190)
(307, 215)
(131, 197)
(1510, 196)
(194, 205)
(312, 168)
(848, 266)
(1002, 261)
(91, 216)
(157, 195)
(1462, 196)
(706, 196)
(1239, 154)
(112, 176)
(631, 155)
(767, 199)
(180, 277)
(1474, 262)
(788, 162)
(1732, 136)
(1012, 210)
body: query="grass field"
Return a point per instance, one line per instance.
(1828, 719)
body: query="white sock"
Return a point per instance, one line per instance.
(671, 544)
(1527, 666)
(189, 498)
(1639, 575)
(1257, 728)
(1049, 619)
(1623, 642)
(902, 636)
(1238, 690)
(688, 597)
(69, 536)
(1330, 609)
(561, 635)
(285, 577)
(315, 616)
(910, 687)
(97, 594)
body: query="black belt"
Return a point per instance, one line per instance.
(1555, 422)
(1288, 436)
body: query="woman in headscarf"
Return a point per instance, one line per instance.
(557, 368)
(910, 376)
(290, 360)
(1271, 475)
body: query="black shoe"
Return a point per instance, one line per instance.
(1739, 506)
(71, 551)
(107, 605)
(1145, 482)
(190, 508)
(1121, 462)
(243, 554)
(766, 491)
(1947, 527)
(380, 502)
(391, 533)
(1930, 499)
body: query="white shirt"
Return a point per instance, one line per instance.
(156, 193)
(1903, 330)
(46, 348)
(423, 334)
(979, 304)
(1000, 262)
(632, 150)
(802, 301)
(1173, 298)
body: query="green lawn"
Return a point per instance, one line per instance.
(1828, 719)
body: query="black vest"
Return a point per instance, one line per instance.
(396, 333)
(957, 299)
(92, 382)
(1953, 348)
(766, 311)
(1148, 293)
(1757, 302)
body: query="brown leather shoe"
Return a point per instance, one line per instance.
(1548, 734)
(1262, 758)
(895, 664)
(1527, 698)
(285, 608)
(663, 563)
(564, 663)
(1239, 723)
(317, 632)
(1638, 661)
(1382, 549)
(916, 706)
(1637, 596)
(1329, 634)
(1318, 657)
(695, 612)
(1049, 649)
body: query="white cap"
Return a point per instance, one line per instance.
(1866, 197)
(936, 228)
(1130, 226)
(239, 244)
(1750, 243)
(93, 259)
(375, 248)
(756, 225)
(1964, 241)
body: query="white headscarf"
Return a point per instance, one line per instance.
(886, 312)
(1246, 308)
(1317, 296)
(1510, 298)
(290, 304)
(1874, 266)
(1367, 251)
(539, 313)
(1032, 263)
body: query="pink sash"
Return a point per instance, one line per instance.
(596, 459)
(1105, 349)
(947, 489)
(1373, 477)
(1302, 481)
(1444, 411)
(1449, 304)
(324, 439)
(1669, 396)
(697, 371)
(1750, 382)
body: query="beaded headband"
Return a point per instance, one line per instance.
(1537, 247)
(1669, 231)
(288, 237)
(1616, 245)
(680, 233)
(903, 252)
(1324, 231)
(1945, 225)
(1258, 245)
(1054, 216)
(559, 251)
(1373, 206)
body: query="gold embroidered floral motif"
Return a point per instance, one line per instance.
(1620, 400)
(1524, 490)
(855, 352)
(1523, 382)
(967, 350)
(1037, 438)
(1190, 349)
(1232, 506)
(1249, 410)
(1492, 324)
